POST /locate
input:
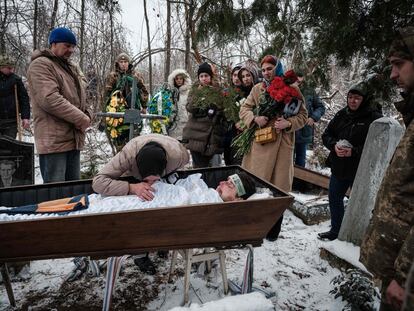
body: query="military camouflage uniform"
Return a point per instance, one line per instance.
(408, 304)
(120, 80)
(113, 77)
(388, 247)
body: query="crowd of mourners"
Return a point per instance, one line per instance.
(262, 119)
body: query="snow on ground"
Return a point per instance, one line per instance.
(290, 267)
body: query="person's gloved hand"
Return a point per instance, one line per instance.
(212, 109)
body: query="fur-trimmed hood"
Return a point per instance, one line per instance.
(187, 79)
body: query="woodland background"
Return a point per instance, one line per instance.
(336, 43)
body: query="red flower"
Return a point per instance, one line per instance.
(280, 91)
(290, 77)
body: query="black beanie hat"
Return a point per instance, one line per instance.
(151, 160)
(206, 68)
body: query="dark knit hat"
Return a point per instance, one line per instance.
(151, 160)
(205, 68)
(62, 34)
(359, 88)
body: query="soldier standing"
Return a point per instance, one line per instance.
(388, 247)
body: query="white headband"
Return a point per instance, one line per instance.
(235, 179)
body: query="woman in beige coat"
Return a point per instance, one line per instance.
(272, 161)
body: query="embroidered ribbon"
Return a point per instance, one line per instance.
(235, 179)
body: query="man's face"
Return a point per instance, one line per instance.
(6, 170)
(235, 78)
(204, 78)
(299, 81)
(268, 71)
(151, 179)
(7, 70)
(402, 73)
(63, 49)
(123, 65)
(227, 191)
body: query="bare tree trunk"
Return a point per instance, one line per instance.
(149, 46)
(111, 20)
(187, 37)
(82, 32)
(3, 27)
(35, 16)
(168, 43)
(193, 31)
(54, 13)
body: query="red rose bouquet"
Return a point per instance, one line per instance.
(278, 94)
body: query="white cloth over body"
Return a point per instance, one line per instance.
(190, 190)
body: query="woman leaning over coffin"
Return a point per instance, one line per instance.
(273, 161)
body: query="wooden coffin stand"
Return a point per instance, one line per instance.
(219, 225)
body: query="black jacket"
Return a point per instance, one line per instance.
(8, 100)
(206, 127)
(352, 126)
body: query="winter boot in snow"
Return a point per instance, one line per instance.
(273, 234)
(329, 235)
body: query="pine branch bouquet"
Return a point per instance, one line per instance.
(226, 100)
(232, 101)
(205, 97)
(272, 102)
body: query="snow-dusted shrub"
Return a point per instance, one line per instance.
(357, 289)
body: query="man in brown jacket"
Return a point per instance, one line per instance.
(147, 158)
(388, 247)
(59, 108)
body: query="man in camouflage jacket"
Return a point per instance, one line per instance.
(388, 247)
(122, 80)
(123, 67)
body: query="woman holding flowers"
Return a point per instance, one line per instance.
(278, 104)
(204, 132)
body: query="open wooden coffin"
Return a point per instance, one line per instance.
(229, 224)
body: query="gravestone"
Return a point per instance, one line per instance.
(312, 209)
(16, 162)
(383, 137)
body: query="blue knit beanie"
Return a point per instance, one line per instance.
(62, 34)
